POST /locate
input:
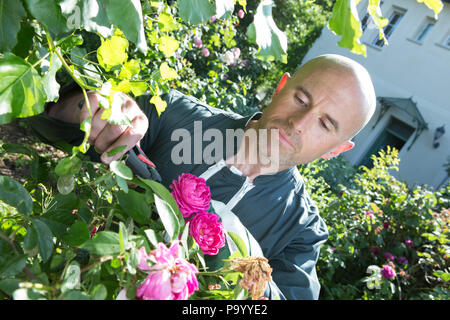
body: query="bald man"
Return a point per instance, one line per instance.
(315, 113)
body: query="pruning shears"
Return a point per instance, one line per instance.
(141, 165)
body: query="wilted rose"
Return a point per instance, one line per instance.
(257, 272)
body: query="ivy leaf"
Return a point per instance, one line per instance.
(167, 73)
(11, 12)
(129, 69)
(263, 31)
(345, 22)
(138, 88)
(168, 45)
(435, 5)
(49, 13)
(14, 194)
(196, 11)
(166, 22)
(159, 103)
(127, 16)
(375, 12)
(112, 52)
(21, 91)
(88, 14)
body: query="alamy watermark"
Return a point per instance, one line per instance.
(208, 146)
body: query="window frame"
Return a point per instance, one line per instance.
(395, 10)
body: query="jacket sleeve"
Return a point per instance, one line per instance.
(294, 269)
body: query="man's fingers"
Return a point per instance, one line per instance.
(97, 126)
(93, 102)
(129, 138)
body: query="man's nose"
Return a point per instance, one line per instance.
(301, 122)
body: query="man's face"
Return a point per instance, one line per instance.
(315, 112)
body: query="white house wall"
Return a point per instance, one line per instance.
(406, 69)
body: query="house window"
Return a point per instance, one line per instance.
(395, 135)
(424, 30)
(367, 21)
(394, 20)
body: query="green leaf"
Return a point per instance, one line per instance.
(14, 194)
(116, 150)
(11, 12)
(105, 243)
(21, 90)
(72, 277)
(196, 11)
(77, 234)
(123, 237)
(375, 12)
(99, 293)
(168, 217)
(30, 241)
(112, 52)
(164, 194)
(88, 14)
(68, 166)
(48, 13)
(14, 266)
(45, 239)
(58, 215)
(127, 16)
(240, 244)
(138, 88)
(65, 184)
(152, 236)
(263, 31)
(135, 205)
(121, 169)
(122, 183)
(344, 21)
(129, 69)
(51, 86)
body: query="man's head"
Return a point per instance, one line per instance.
(319, 109)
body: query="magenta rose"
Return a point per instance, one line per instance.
(388, 272)
(191, 194)
(208, 232)
(170, 276)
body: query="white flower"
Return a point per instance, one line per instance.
(228, 57)
(375, 278)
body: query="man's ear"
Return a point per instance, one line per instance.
(347, 145)
(282, 82)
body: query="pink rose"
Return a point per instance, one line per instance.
(191, 194)
(388, 272)
(170, 277)
(240, 14)
(205, 52)
(213, 18)
(208, 232)
(197, 42)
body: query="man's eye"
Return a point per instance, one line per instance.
(300, 100)
(324, 125)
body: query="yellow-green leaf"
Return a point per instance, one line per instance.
(112, 52)
(167, 73)
(138, 88)
(166, 22)
(159, 103)
(375, 12)
(345, 22)
(435, 5)
(168, 45)
(129, 69)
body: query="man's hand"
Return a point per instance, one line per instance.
(104, 136)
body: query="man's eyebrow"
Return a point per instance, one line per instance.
(306, 93)
(333, 122)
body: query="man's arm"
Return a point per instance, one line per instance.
(294, 269)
